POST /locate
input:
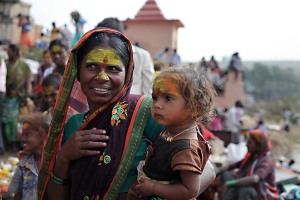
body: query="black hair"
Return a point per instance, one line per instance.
(59, 43)
(14, 49)
(113, 23)
(104, 39)
(53, 79)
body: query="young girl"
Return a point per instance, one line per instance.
(24, 181)
(181, 96)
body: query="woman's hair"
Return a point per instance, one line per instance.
(53, 79)
(196, 89)
(14, 49)
(38, 122)
(113, 40)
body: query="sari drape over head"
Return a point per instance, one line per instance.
(95, 177)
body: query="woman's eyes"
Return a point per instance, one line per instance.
(93, 66)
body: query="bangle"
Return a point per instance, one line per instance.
(230, 183)
(59, 181)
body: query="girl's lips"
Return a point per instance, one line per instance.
(158, 116)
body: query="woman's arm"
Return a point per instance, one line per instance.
(187, 189)
(80, 144)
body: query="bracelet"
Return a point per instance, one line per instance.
(230, 183)
(59, 181)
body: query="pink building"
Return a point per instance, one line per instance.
(152, 30)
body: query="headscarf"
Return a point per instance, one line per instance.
(104, 117)
(249, 163)
(263, 142)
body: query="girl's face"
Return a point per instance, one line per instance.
(102, 76)
(169, 106)
(50, 94)
(32, 139)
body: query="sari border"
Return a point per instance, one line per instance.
(132, 141)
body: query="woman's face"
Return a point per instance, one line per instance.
(102, 76)
(252, 146)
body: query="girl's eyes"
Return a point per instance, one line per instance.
(154, 98)
(167, 98)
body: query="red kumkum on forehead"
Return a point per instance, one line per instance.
(165, 86)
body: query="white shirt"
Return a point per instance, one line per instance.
(143, 72)
(3, 73)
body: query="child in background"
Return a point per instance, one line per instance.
(50, 86)
(181, 97)
(10, 117)
(24, 181)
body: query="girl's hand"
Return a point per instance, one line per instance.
(83, 143)
(145, 188)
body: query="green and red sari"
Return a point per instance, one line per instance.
(124, 118)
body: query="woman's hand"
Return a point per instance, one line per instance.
(83, 143)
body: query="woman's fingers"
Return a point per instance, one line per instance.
(93, 145)
(93, 135)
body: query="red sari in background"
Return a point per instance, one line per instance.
(25, 38)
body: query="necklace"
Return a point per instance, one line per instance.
(170, 138)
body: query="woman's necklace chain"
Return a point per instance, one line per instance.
(170, 138)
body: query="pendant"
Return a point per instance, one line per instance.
(169, 138)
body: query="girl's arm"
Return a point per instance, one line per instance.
(187, 189)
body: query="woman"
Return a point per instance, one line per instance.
(102, 147)
(255, 178)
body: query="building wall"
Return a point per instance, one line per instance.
(9, 29)
(153, 36)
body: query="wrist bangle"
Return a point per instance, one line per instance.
(59, 181)
(230, 183)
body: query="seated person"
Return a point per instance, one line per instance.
(254, 177)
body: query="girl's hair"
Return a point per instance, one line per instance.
(53, 79)
(196, 89)
(104, 39)
(38, 122)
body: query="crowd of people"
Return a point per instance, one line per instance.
(105, 123)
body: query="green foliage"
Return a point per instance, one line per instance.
(274, 89)
(272, 83)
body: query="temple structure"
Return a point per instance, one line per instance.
(152, 30)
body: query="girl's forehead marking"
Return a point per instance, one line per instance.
(25, 125)
(104, 56)
(165, 86)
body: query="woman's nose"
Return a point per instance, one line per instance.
(102, 76)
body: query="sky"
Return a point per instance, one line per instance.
(260, 30)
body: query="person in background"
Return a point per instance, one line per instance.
(235, 64)
(143, 66)
(10, 117)
(50, 87)
(175, 58)
(55, 32)
(181, 145)
(3, 73)
(255, 176)
(18, 72)
(215, 124)
(79, 23)
(162, 56)
(47, 63)
(59, 53)
(101, 147)
(25, 38)
(24, 182)
(235, 121)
